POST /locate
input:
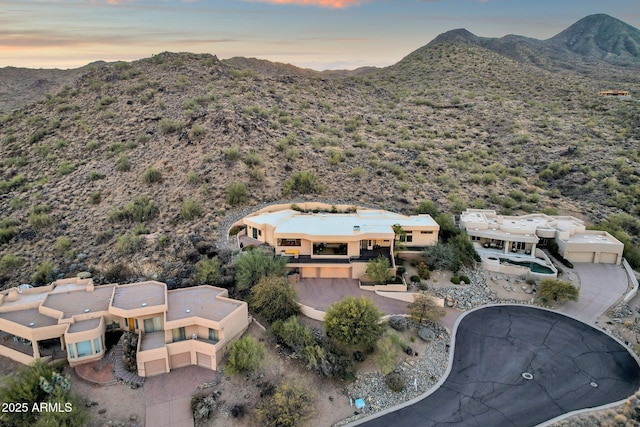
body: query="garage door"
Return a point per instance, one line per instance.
(580, 257)
(204, 360)
(609, 258)
(336, 273)
(309, 272)
(180, 360)
(155, 367)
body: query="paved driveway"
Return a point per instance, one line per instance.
(321, 293)
(572, 365)
(168, 396)
(601, 285)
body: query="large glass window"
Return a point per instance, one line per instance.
(322, 248)
(96, 345)
(84, 348)
(72, 353)
(179, 334)
(152, 325)
(213, 335)
(289, 242)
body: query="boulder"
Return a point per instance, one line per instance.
(426, 334)
(398, 323)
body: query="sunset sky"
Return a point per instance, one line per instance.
(319, 34)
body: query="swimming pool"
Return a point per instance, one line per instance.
(533, 266)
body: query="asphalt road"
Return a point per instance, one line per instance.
(573, 366)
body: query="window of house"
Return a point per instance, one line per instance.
(214, 335)
(153, 324)
(96, 345)
(72, 353)
(406, 239)
(322, 248)
(289, 242)
(179, 334)
(84, 348)
(475, 238)
(426, 232)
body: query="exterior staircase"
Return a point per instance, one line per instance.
(120, 373)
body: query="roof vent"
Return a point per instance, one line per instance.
(144, 304)
(32, 324)
(356, 228)
(188, 310)
(86, 310)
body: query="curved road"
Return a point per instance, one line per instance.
(573, 366)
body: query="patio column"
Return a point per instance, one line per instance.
(507, 247)
(533, 250)
(36, 351)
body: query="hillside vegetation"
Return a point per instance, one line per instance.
(147, 161)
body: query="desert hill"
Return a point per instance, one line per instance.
(142, 166)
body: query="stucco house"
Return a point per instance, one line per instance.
(69, 318)
(323, 241)
(523, 234)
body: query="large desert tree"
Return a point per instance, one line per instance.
(354, 322)
(556, 291)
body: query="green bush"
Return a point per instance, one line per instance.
(193, 178)
(556, 291)
(236, 193)
(65, 168)
(354, 322)
(455, 280)
(62, 245)
(167, 126)
(8, 229)
(290, 406)
(129, 244)
(378, 270)
(395, 382)
(38, 221)
(10, 262)
(252, 159)
(95, 197)
(43, 274)
(13, 183)
(208, 272)
(151, 176)
(232, 154)
(123, 164)
(301, 183)
(256, 264)
(190, 210)
(423, 271)
(37, 136)
(140, 209)
(424, 308)
(245, 355)
(274, 299)
(415, 278)
(465, 279)
(95, 175)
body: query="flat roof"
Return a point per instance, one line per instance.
(138, 295)
(343, 224)
(24, 299)
(84, 325)
(502, 235)
(26, 317)
(71, 303)
(597, 237)
(200, 301)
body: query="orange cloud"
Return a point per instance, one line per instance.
(332, 4)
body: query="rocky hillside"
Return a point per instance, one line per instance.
(142, 166)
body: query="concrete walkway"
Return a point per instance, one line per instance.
(321, 293)
(601, 286)
(168, 396)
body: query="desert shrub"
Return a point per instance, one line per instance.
(455, 280)
(65, 168)
(208, 272)
(10, 262)
(193, 178)
(255, 264)
(62, 245)
(290, 406)
(190, 210)
(151, 175)
(129, 342)
(378, 269)
(11, 184)
(197, 132)
(424, 308)
(202, 406)
(274, 299)
(245, 355)
(557, 291)
(37, 136)
(238, 411)
(465, 279)
(95, 197)
(123, 164)
(395, 382)
(415, 278)
(140, 209)
(293, 334)
(423, 271)
(8, 229)
(354, 322)
(232, 154)
(236, 193)
(95, 175)
(43, 274)
(301, 183)
(117, 273)
(167, 126)
(252, 159)
(129, 244)
(42, 383)
(39, 219)
(387, 350)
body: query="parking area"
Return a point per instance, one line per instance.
(321, 293)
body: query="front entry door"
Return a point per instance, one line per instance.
(131, 323)
(255, 233)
